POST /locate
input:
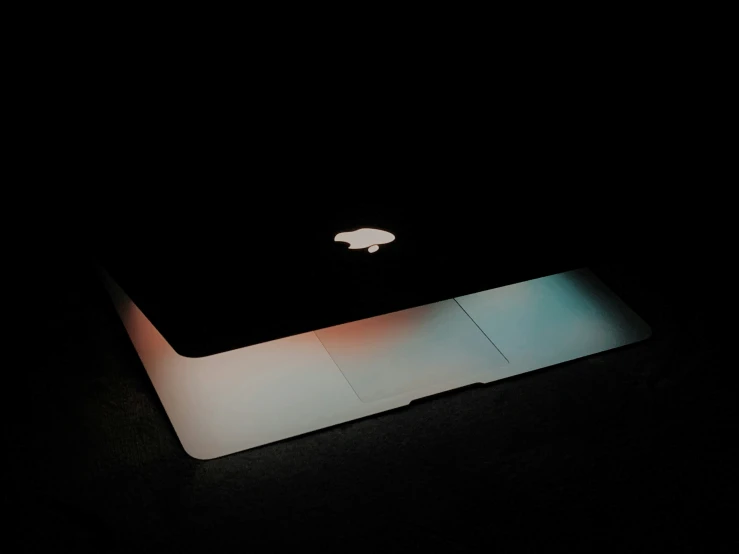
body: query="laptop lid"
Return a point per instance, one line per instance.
(216, 272)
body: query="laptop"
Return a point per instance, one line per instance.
(260, 315)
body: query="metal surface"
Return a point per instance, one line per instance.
(392, 354)
(245, 398)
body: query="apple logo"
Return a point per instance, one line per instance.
(371, 239)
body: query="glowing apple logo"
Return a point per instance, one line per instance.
(371, 239)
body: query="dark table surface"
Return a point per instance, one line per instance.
(631, 450)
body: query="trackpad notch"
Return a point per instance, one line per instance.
(396, 353)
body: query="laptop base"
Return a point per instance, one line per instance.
(252, 396)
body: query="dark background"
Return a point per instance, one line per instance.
(631, 450)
